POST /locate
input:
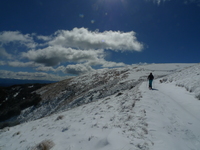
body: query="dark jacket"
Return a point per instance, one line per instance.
(150, 77)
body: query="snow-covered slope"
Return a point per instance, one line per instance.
(90, 87)
(113, 110)
(188, 78)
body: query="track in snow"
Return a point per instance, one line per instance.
(173, 117)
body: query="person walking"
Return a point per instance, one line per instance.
(150, 78)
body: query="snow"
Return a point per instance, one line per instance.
(166, 118)
(15, 94)
(188, 78)
(173, 118)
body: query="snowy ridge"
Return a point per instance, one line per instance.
(90, 87)
(113, 110)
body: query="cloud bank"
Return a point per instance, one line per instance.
(82, 46)
(30, 75)
(74, 51)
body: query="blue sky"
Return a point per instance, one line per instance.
(51, 39)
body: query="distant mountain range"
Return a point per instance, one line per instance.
(9, 82)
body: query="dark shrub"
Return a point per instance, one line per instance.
(9, 124)
(10, 113)
(16, 98)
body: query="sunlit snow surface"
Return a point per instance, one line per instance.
(132, 117)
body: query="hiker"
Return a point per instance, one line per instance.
(150, 78)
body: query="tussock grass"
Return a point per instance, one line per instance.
(59, 117)
(44, 145)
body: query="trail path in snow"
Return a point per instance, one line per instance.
(173, 117)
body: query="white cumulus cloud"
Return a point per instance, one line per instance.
(2, 63)
(84, 39)
(22, 64)
(3, 53)
(54, 55)
(15, 36)
(78, 69)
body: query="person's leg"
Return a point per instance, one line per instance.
(150, 84)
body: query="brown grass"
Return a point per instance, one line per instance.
(44, 145)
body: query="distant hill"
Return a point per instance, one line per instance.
(9, 82)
